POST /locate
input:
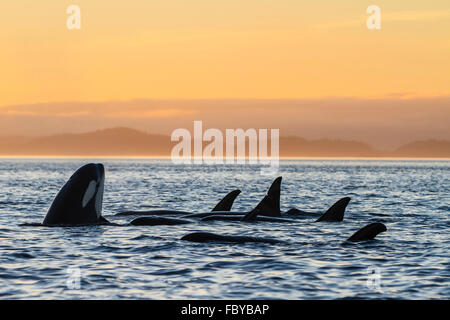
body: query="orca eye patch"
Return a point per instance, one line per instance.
(89, 193)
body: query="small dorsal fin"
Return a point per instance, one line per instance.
(227, 202)
(269, 205)
(336, 211)
(368, 232)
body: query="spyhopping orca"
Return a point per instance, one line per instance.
(79, 202)
(224, 205)
(368, 232)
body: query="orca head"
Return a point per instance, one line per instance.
(80, 200)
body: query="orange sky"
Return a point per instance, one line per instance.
(128, 49)
(203, 49)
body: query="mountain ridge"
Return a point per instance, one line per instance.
(123, 141)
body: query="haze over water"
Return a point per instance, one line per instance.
(410, 197)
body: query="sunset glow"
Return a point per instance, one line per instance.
(312, 70)
(234, 49)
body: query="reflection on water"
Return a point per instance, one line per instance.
(410, 260)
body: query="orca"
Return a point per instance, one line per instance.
(227, 202)
(224, 204)
(212, 237)
(231, 217)
(270, 205)
(157, 221)
(297, 213)
(369, 232)
(268, 208)
(267, 205)
(336, 211)
(79, 202)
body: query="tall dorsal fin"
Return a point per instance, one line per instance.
(227, 202)
(368, 232)
(269, 205)
(336, 211)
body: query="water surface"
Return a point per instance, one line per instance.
(409, 261)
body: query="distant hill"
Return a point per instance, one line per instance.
(130, 142)
(428, 148)
(295, 146)
(108, 142)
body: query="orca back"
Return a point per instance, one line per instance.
(368, 232)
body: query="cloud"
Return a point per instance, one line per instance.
(115, 109)
(398, 16)
(388, 122)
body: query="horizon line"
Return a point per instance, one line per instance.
(388, 96)
(406, 158)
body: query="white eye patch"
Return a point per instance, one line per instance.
(89, 193)
(99, 197)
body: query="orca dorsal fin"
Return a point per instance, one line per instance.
(368, 232)
(227, 202)
(269, 205)
(251, 216)
(336, 211)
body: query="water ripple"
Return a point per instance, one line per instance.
(409, 261)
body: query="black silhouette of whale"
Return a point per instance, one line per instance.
(334, 213)
(369, 232)
(213, 237)
(79, 202)
(224, 204)
(269, 205)
(157, 221)
(269, 210)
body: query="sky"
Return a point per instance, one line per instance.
(128, 50)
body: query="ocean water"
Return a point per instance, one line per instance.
(409, 261)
